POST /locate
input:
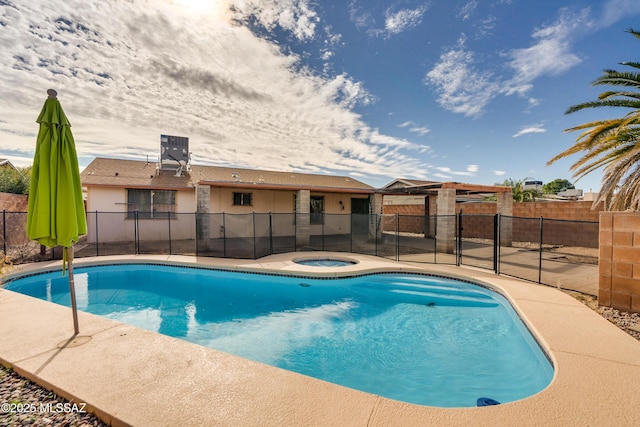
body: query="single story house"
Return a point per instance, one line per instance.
(136, 194)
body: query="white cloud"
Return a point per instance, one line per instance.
(128, 71)
(499, 173)
(615, 10)
(461, 87)
(420, 130)
(485, 27)
(397, 22)
(467, 10)
(550, 55)
(296, 16)
(470, 171)
(361, 19)
(442, 176)
(537, 128)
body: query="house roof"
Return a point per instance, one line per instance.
(254, 178)
(410, 186)
(104, 172)
(7, 162)
(404, 183)
(140, 174)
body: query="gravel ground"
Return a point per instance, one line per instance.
(23, 403)
(628, 322)
(45, 408)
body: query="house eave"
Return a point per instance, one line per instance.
(285, 187)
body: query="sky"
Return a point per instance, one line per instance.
(470, 91)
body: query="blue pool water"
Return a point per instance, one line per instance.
(415, 338)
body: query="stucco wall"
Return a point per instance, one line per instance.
(112, 225)
(619, 261)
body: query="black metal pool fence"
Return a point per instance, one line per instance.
(533, 249)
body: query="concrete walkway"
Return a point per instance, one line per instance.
(130, 376)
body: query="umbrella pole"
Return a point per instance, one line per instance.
(72, 290)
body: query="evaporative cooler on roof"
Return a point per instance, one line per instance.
(174, 151)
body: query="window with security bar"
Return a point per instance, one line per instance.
(151, 204)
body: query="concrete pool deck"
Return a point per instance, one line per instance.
(130, 376)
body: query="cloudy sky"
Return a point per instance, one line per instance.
(449, 90)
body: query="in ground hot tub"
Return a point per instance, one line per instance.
(325, 262)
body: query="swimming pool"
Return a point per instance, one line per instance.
(415, 338)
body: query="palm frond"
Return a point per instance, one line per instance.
(626, 103)
(615, 77)
(611, 145)
(631, 64)
(614, 94)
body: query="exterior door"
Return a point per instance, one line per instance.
(360, 216)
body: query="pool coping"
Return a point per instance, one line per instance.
(130, 376)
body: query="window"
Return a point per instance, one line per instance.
(242, 199)
(317, 209)
(151, 203)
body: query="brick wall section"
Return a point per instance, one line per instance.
(411, 218)
(556, 231)
(13, 202)
(574, 211)
(16, 220)
(619, 263)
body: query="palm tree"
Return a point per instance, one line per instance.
(520, 194)
(613, 144)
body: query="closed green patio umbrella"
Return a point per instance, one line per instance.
(56, 215)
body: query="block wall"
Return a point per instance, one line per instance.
(476, 224)
(619, 261)
(13, 202)
(574, 211)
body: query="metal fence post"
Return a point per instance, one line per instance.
(136, 233)
(270, 234)
(169, 225)
(351, 232)
(499, 243)
(196, 220)
(377, 226)
(459, 240)
(253, 214)
(397, 237)
(540, 254)
(224, 236)
(435, 239)
(323, 221)
(496, 237)
(4, 231)
(97, 240)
